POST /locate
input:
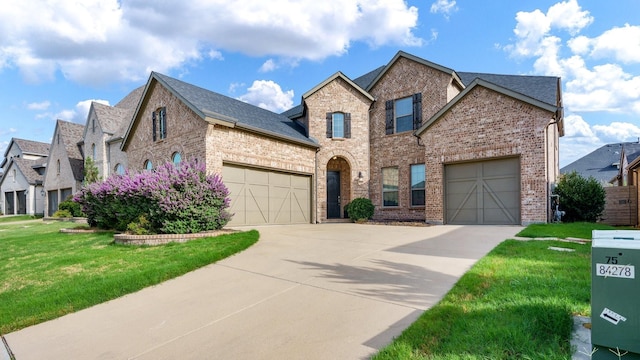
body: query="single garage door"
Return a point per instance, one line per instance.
(267, 197)
(486, 192)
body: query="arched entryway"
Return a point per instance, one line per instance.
(338, 187)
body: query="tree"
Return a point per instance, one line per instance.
(582, 199)
(91, 174)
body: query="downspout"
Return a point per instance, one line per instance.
(547, 154)
(315, 190)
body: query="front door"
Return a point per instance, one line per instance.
(333, 194)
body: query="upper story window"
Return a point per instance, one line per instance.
(159, 118)
(176, 158)
(148, 165)
(93, 151)
(93, 125)
(418, 178)
(338, 125)
(390, 186)
(403, 114)
(58, 167)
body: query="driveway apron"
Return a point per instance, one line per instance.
(329, 291)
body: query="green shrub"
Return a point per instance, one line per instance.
(140, 227)
(582, 199)
(360, 209)
(62, 214)
(72, 207)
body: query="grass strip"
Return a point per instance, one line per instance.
(45, 274)
(515, 303)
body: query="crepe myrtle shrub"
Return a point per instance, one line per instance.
(171, 199)
(360, 209)
(581, 198)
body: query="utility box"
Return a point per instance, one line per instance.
(615, 295)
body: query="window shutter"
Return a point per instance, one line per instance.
(153, 118)
(417, 110)
(347, 125)
(389, 116)
(329, 125)
(163, 118)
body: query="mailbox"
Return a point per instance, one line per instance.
(615, 294)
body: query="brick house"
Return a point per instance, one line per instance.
(104, 131)
(23, 168)
(65, 165)
(423, 142)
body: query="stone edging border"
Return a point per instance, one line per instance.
(161, 239)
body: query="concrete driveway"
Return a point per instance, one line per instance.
(330, 291)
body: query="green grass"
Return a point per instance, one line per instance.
(580, 230)
(45, 274)
(12, 218)
(515, 303)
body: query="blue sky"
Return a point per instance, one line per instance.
(57, 57)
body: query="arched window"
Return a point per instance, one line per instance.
(93, 151)
(176, 158)
(148, 165)
(119, 169)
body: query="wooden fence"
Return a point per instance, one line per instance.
(621, 208)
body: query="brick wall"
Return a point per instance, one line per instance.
(403, 79)
(349, 156)
(483, 125)
(55, 181)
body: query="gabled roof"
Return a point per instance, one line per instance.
(402, 54)
(338, 75)
(216, 108)
(27, 169)
(603, 162)
(542, 88)
(71, 134)
(480, 82)
(365, 80)
(29, 147)
(131, 100)
(110, 118)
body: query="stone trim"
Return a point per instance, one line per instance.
(161, 239)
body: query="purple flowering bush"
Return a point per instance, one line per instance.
(170, 200)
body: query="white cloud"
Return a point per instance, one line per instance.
(76, 115)
(619, 43)
(99, 41)
(268, 66)
(268, 95)
(43, 105)
(618, 132)
(446, 7)
(568, 15)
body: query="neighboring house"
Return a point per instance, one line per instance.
(21, 186)
(65, 165)
(103, 133)
(423, 142)
(607, 163)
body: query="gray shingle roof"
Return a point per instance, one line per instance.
(208, 103)
(131, 100)
(32, 147)
(111, 118)
(601, 163)
(27, 169)
(542, 88)
(365, 80)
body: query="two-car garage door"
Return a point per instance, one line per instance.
(267, 197)
(486, 192)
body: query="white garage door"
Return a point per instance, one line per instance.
(486, 192)
(261, 197)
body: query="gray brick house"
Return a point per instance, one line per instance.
(23, 167)
(422, 141)
(65, 165)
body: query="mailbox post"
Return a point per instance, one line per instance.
(615, 295)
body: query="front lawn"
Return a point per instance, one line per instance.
(515, 303)
(45, 274)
